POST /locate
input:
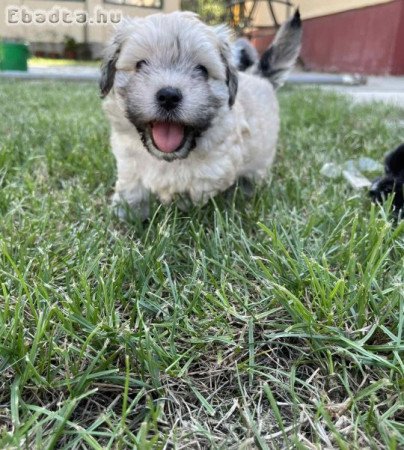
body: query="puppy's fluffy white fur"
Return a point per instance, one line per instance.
(233, 131)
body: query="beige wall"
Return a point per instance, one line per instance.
(53, 34)
(310, 9)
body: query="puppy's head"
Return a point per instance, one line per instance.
(392, 182)
(171, 74)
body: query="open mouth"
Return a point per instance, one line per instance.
(168, 137)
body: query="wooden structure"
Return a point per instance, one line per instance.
(242, 12)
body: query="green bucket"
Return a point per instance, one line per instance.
(13, 56)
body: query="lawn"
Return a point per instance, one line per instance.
(275, 322)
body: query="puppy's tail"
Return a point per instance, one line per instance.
(279, 59)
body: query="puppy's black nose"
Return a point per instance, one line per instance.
(169, 98)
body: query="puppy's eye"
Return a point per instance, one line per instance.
(202, 70)
(140, 64)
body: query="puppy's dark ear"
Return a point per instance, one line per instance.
(232, 82)
(394, 163)
(244, 54)
(108, 68)
(231, 70)
(111, 54)
(279, 59)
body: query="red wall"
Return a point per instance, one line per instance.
(367, 40)
(398, 58)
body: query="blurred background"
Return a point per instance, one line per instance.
(356, 36)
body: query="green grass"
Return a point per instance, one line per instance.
(275, 322)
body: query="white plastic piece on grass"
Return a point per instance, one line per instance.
(356, 179)
(366, 164)
(350, 166)
(331, 170)
(352, 170)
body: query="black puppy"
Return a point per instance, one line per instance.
(392, 182)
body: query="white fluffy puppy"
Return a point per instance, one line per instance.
(186, 123)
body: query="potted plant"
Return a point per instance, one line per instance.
(71, 47)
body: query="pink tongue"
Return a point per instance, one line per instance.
(167, 136)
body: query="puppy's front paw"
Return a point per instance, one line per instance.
(130, 212)
(184, 202)
(243, 185)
